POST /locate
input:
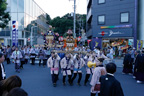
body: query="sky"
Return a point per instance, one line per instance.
(61, 7)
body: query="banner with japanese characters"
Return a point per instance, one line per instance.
(14, 33)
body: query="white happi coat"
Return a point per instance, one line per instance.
(17, 55)
(26, 52)
(53, 64)
(98, 71)
(88, 70)
(94, 61)
(102, 56)
(72, 66)
(32, 51)
(66, 66)
(78, 64)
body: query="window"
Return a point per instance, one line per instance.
(124, 17)
(21, 21)
(14, 6)
(101, 1)
(8, 2)
(101, 19)
(27, 6)
(21, 6)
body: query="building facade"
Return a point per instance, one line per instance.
(141, 20)
(114, 22)
(30, 18)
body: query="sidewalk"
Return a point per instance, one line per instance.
(117, 61)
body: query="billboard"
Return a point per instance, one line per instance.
(124, 32)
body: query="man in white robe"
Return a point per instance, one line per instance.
(32, 55)
(53, 64)
(66, 64)
(16, 56)
(98, 72)
(78, 64)
(89, 71)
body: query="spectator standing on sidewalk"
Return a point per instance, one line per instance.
(137, 61)
(111, 52)
(140, 68)
(127, 64)
(133, 55)
(2, 71)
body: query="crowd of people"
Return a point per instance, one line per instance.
(72, 63)
(24, 55)
(133, 64)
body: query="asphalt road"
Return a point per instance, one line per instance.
(36, 81)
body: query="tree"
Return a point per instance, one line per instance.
(48, 18)
(62, 24)
(4, 16)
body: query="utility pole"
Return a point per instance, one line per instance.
(31, 35)
(74, 25)
(74, 19)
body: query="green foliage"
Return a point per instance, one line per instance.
(48, 17)
(62, 24)
(4, 16)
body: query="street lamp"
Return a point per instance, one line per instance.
(32, 34)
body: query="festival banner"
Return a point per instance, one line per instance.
(139, 44)
(118, 43)
(124, 47)
(14, 33)
(96, 42)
